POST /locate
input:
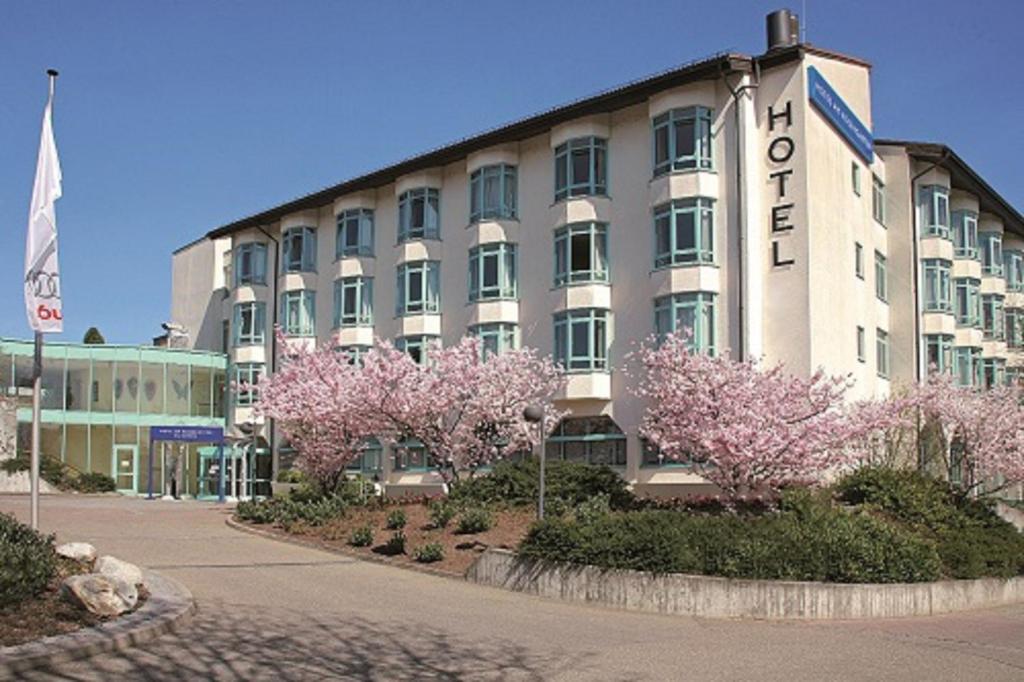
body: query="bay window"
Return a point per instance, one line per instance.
(418, 288)
(250, 323)
(991, 245)
(992, 323)
(492, 193)
(1014, 318)
(682, 140)
(1013, 269)
(492, 271)
(419, 215)
(355, 233)
(965, 234)
(934, 203)
(298, 250)
(581, 168)
(581, 340)
(592, 440)
(684, 232)
(581, 253)
(353, 302)
(937, 295)
(939, 349)
(690, 313)
(246, 376)
(250, 264)
(298, 312)
(418, 347)
(968, 302)
(967, 365)
(496, 337)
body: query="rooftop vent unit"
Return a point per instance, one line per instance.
(783, 29)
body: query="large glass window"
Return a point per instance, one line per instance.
(492, 271)
(419, 214)
(965, 234)
(934, 203)
(992, 323)
(492, 193)
(593, 440)
(298, 250)
(992, 372)
(368, 463)
(355, 233)
(684, 232)
(967, 365)
(250, 264)
(581, 340)
(581, 253)
(418, 288)
(882, 353)
(250, 323)
(1014, 318)
(693, 313)
(353, 301)
(1013, 269)
(298, 312)
(991, 245)
(418, 347)
(968, 302)
(682, 140)
(939, 349)
(581, 168)
(878, 200)
(881, 277)
(354, 352)
(937, 294)
(247, 375)
(496, 337)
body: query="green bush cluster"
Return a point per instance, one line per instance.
(517, 483)
(58, 474)
(396, 519)
(441, 513)
(429, 553)
(361, 537)
(28, 561)
(475, 520)
(287, 511)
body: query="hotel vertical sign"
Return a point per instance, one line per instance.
(781, 148)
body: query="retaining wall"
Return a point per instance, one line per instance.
(692, 595)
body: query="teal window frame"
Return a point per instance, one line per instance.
(968, 301)
(967, 365)
(411, 455)
(496, 337)
(249, 322)
(247, 373)
(355, 233)
(493, 272)
(355, 352)
(594, 440)
(694, 310)
(493, 193)
(1013, 269)
(991, 246)
(581, 254)
(937, 275)
(370, 460)
(581, 168)
(1014, 321)
(681, 140)
(993, 324)
(992, 372)
(419, 214)
(878, 200)
(881, 277)
(424, 276)
(298, 312)
(298, 250)
(882, 367)
(418, 346)
(353, 302)
(939, 352)
(582, 339)
(934, 203)
(965, 235)
(250, 263)
(684, 232)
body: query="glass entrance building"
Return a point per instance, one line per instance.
(99, 402)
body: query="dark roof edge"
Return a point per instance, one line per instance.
(991, 201)
(795, 52)
(604, 102)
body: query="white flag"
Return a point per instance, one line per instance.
(42, 274)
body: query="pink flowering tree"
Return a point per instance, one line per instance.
(314, 397)
(742, 428)
(465, 409)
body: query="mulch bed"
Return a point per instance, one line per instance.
(460, 551)
(48, 614)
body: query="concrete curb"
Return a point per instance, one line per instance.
(315, 543)
(169, 606)
(715, 597)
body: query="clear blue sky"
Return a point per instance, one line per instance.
(176, 117)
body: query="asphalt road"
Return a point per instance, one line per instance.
(270, 610)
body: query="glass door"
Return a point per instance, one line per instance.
(125, 467)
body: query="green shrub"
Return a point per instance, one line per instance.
(287, 511)
(903, 494)
(517, 483)
(361, 537)
(396, 520)
(429, 553)
(290, 476)
(58, 474)
(475, 520)
(588, 511)
(28, 561)
(441, 513)
(93, 482)
(395, 544)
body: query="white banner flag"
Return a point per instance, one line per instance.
(42, 274)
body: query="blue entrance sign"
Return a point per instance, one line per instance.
(187, 434)
(839, 114)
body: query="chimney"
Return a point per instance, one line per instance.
(783, 29)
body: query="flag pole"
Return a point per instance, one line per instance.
(37, 385)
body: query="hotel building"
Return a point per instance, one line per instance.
(742, 197)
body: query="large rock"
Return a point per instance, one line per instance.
(78, 551)
(99, 594)
(115, 568)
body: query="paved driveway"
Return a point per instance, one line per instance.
(269, 610)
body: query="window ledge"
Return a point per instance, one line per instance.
(680, 266)
(687, 171)
(576, 197)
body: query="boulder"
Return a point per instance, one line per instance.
(115, 568)
(99, 594)
(78, 551)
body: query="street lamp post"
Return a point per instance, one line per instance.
(535, 414)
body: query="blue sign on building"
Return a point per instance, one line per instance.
(187, 434)
(839, 114)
